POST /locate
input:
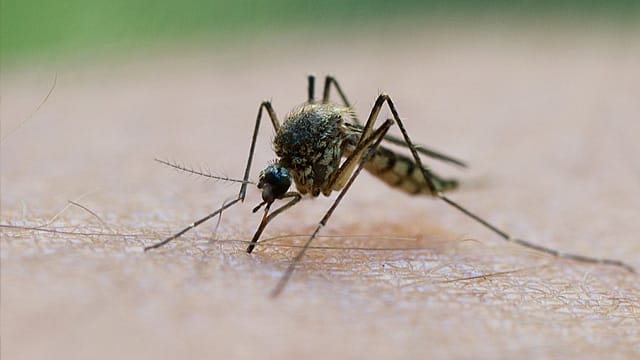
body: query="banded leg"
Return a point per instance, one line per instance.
(265, 105)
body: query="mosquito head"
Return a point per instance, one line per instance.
(274, 181)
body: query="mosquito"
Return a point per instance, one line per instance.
(310, 145)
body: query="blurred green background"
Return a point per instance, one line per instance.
(32, 29)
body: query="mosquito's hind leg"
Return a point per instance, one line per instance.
(328, 81)
(265, 105)
(429, 178)
(311, 89)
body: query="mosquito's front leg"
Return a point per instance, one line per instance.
(247, 172)
(328, 81)
(266, 219)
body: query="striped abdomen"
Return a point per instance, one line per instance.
(401, 172)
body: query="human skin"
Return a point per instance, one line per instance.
(547, 123)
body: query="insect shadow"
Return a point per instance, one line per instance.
(310, 145)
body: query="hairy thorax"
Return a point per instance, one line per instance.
(310, 144)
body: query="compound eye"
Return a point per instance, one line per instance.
(274, 182)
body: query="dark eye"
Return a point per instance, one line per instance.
(274, 182)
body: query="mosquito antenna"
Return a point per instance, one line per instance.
(530, 245)
(201, 172)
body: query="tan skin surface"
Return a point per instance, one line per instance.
(547, 123)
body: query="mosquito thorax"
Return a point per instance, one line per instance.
(309, 145)
(274, 181)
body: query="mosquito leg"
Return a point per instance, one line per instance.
(296, 198)
(266, 219)
(435, 192)
(366, 130)
(311, 89)
(276, 125)
(533, 246)
(328, 81)
(421, 148)
(243, 187)
(375, 138)
(382, 98)
(179, 233)
(426, 151)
